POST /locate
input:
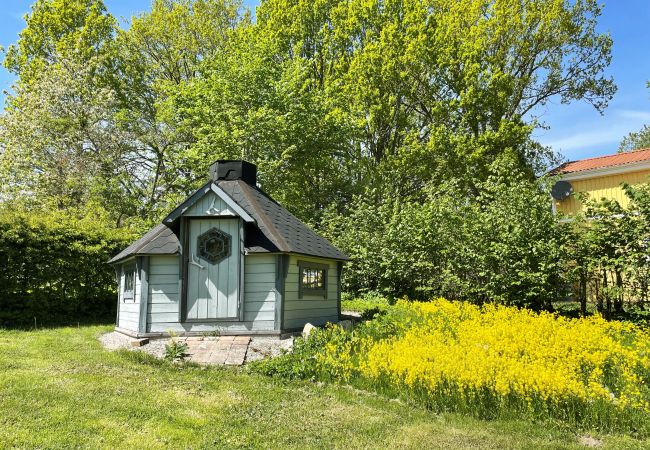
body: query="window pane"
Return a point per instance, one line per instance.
(313, 278)
(128, 280)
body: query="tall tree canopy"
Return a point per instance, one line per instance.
(331, 99)
(57, 29)
(419, 91)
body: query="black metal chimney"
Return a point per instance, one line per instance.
(231, 169)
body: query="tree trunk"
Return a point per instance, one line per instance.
(608, 297)
(599, 298)
(583, 295)
(618, 301)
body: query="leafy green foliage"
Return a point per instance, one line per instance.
(331, 99)
(503, 245)
(636, 140)
(175, 350)
(55, 271)
(59, 29)
(303, 360)
(607, 253)
(368, 304)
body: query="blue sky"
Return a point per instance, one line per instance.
(575, 130)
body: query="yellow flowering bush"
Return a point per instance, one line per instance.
(508, 351)
(490, 361)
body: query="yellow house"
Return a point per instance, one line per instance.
(601, 177)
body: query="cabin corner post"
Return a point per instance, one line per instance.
(339, 271)
(241, 295)
(281, 271)
(144, 293)
(118, 277)
(184, 261)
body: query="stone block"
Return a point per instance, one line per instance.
(139, 342)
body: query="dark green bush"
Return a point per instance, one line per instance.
(502, 244)
(54, 271)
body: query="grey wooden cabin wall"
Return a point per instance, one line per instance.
(259, 290)
(129, 310)
(164, 297)
(210, 205)
(164, 288)
(314, 309)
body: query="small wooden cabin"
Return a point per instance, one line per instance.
(228, 260)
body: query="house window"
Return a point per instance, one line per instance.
(312, 278)
(129, 283)
(214, 245)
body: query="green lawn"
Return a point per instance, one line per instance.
(59, 388)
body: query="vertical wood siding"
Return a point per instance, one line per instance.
(315, 309)
(259, 289)
(164, 298)
(609, 187)
(164, 275)
(213, 291)
(210, 205)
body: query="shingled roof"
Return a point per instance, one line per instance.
(601, 162)
(160, 240)
(278, 226)
(275, 230)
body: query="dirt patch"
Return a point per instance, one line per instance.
(589, 441)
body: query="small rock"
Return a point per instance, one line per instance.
(306, 331)
(347, 325)
(139, 342)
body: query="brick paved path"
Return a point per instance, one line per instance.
(229, 350)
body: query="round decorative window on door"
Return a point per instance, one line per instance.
(213, 245)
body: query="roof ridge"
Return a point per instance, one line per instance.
(263, 218)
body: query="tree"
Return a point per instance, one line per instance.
(503, 246)
(62, 149)
(59, 145)
(247, 105)
(72, 30)
(82, 86)
(151, 59)
(636, 140)
(410, 74)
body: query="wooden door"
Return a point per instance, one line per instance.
(213, 269)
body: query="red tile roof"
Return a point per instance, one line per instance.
(600, 162)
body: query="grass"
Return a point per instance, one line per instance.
(365, 304)
(60, 389)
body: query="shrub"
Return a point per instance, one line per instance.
(501, 245)
(55, 271)
(491, 361)
(175, 350)
(368, 304)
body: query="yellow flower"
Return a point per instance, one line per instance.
(463, 350)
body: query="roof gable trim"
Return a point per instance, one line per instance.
(232, 204)
(198, 195)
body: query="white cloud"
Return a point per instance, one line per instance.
(598, 136)
(635, 114)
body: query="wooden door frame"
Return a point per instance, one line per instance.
(185, 252)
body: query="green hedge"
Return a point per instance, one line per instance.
(54, 271)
